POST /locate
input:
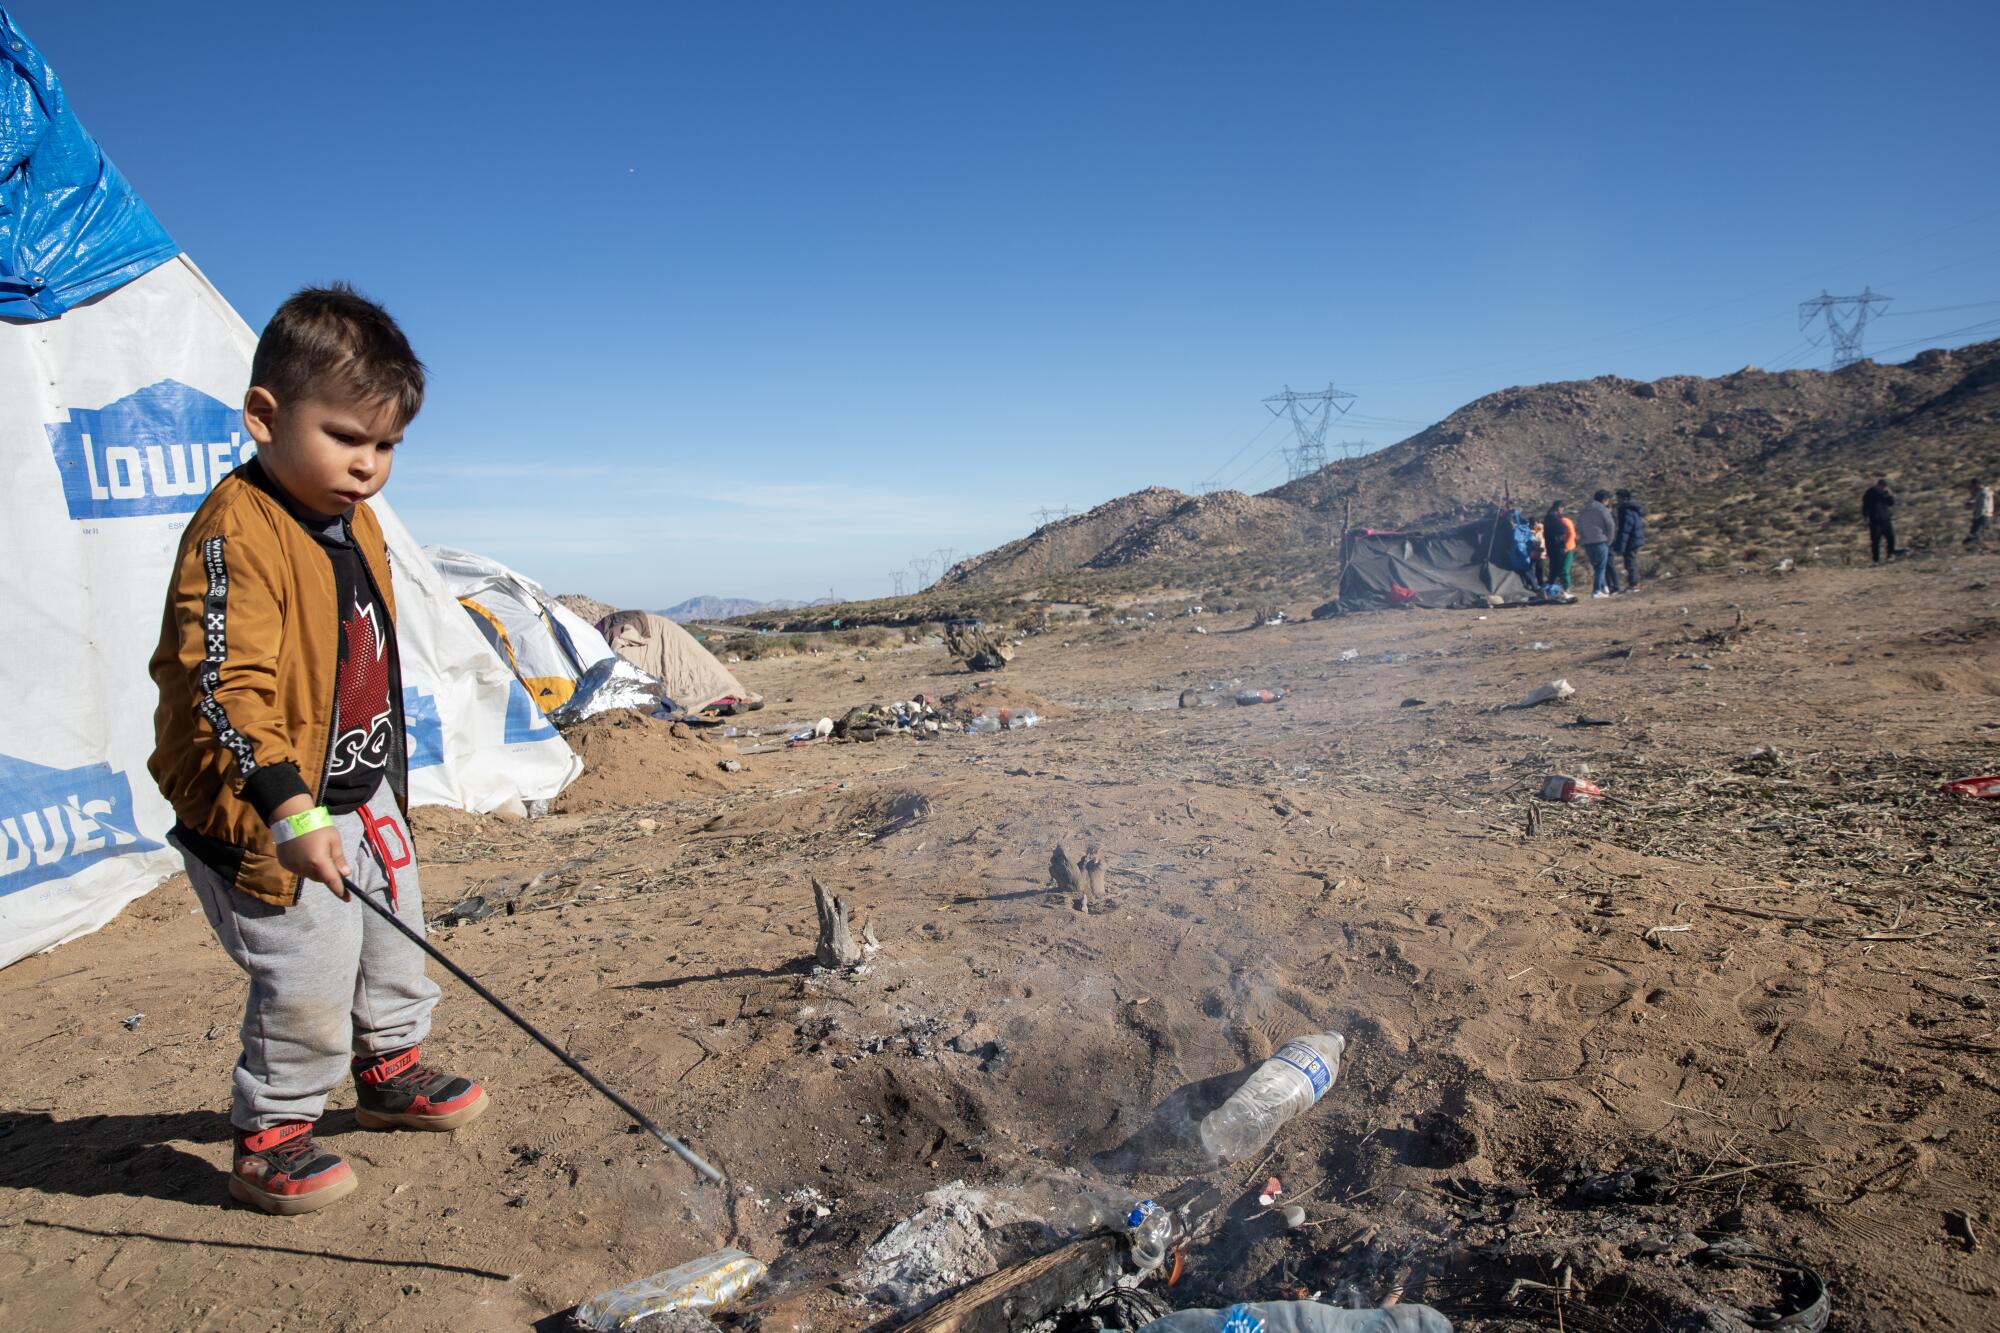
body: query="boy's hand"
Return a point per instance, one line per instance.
(316, 855)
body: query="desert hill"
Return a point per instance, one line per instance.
(1729, 466)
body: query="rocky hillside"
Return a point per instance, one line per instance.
(1731, 466)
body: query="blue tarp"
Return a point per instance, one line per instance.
(71, 226)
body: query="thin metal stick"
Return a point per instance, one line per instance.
(639, 1117)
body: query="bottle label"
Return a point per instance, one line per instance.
(1308, 1062)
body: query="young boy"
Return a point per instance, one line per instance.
(280, 743)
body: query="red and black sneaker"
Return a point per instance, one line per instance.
(282, 1170)
(400, 1091)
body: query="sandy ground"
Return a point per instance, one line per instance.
(1766, 987)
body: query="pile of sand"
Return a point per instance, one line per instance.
(992, 693)
(633, 758)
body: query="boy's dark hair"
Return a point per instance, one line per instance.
(1601, 496)
(335, 336)
(1624, 495)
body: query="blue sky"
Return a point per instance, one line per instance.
(764, 299)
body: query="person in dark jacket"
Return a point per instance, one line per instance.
(1631, 535)
(1878, 506)
(1593, 534)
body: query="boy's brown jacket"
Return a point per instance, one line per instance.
(247, 666)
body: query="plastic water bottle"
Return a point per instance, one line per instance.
(982, 724)
(1295, 1077)
(1149, 1230)
(1247, 697)
(1025, 718)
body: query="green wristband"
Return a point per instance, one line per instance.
(305, 821)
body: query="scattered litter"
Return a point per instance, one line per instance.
(466, 911)
(730, 766)
(1541, 647)
(1586, 720)
(1988, 785)
(1783, 566)
(1764, 757)
(132, 1021)
(1350, 654)
(1199, 630)
(1541, 694)
(1574, 791)
(1259, 696)
(702, 1285)
(1411, 703)
(1272, 1189)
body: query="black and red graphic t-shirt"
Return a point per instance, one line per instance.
(364, 723)
(364, 714)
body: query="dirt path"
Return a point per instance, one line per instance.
(1768, 982)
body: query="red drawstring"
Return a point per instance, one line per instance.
(371, 828)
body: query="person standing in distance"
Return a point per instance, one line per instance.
(1631, 535)
(1878, 506)
(1593, 533)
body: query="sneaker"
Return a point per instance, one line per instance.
(1600, 593)
(400, 1091)
(282, 1170)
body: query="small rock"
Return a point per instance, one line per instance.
(730, 766)
(1295, 1217)
(647, 825)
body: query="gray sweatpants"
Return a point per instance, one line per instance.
(328, 979)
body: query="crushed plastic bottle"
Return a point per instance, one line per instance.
(1149, 1229)
(1247, 697)
(1295, 1077)
(981, 725)
(701, 1285)
(1350, 654)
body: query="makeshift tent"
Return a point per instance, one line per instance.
(121, 370)
(658, 646)
(546, 644)
(1468, 565)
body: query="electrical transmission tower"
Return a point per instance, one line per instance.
(1045, 513)
(922, 566)
(1210, 487)
(1846, 317)
(1311, 414)
(896, 577)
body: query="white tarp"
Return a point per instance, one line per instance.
(115, 421)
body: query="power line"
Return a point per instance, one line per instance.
(1239, 452)
(1935, 337)
(1936, 309)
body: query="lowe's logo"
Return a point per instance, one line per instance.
(157, 450)
(56, 821)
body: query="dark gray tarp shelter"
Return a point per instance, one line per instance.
(1462, 566)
